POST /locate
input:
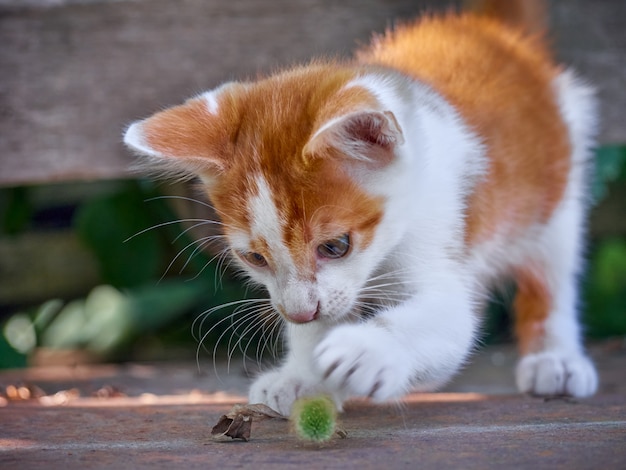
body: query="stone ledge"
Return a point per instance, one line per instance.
(164, 421)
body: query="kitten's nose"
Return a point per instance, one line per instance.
(304, 316)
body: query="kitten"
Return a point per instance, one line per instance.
(378, 200)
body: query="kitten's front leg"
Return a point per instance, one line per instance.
(297, 376)
(419, 344)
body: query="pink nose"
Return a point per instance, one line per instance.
(303, 317)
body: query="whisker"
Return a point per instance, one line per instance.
(204, 315)
(201, 243)
(223, 265)
(248, 321)
(201, 345)
(269, 317)
(278, 333)
(206, 265)
(165, 224)
(235, 324)
(388, 295)
(196, 201)
(194, 226)
(391, 273)
(368, 307)
(272, 318)
(257, 326)
(184, 198)
(245, 308)
(389, 284)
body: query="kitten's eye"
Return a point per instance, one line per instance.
(336, 248)
(254, 259)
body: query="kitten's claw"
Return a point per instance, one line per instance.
(278, 389)
(552, 373)
(357, 360)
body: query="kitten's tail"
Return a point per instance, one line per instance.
(531, 16)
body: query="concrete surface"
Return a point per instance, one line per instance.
(160, 416)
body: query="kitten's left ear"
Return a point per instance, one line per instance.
(369, 136)
(190, 138)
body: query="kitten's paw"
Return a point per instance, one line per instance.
(360, 360)
(279, 389)
(552, 373)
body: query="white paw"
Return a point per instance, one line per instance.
(551, 373)
(361, 360)
(278, 389)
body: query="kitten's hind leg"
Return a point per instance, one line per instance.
(553, 361)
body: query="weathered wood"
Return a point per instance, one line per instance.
(73, 74)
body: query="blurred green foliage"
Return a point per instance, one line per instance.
(130, 235)
(604, 287)
(610, 168)
(106, 225)
(605, 290)
(15, 210)
(134, 235)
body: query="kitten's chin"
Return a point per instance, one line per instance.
(320, 320)
(302, 317)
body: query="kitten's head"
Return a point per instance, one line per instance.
(286, 162)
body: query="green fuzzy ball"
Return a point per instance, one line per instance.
(314, 418)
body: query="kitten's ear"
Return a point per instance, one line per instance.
(369, 136)
(191, 138)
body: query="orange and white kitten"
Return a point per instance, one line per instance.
(378, 200)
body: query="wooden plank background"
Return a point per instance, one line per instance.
(74, 73)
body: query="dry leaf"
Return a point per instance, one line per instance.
(341, 432)
(237, 427)
(237, 424)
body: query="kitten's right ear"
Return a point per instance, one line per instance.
(191, 138)
(368, 136)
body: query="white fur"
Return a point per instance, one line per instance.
(211, 102)
(211, 97)
(422, 340)
(134, 138)
(266, 221)
(291, 294)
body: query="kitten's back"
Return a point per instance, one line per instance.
(501, 82)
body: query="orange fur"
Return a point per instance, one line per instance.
(532, 306)
(498, 79)
(283, 112)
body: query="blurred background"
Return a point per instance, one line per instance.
(93, 263)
